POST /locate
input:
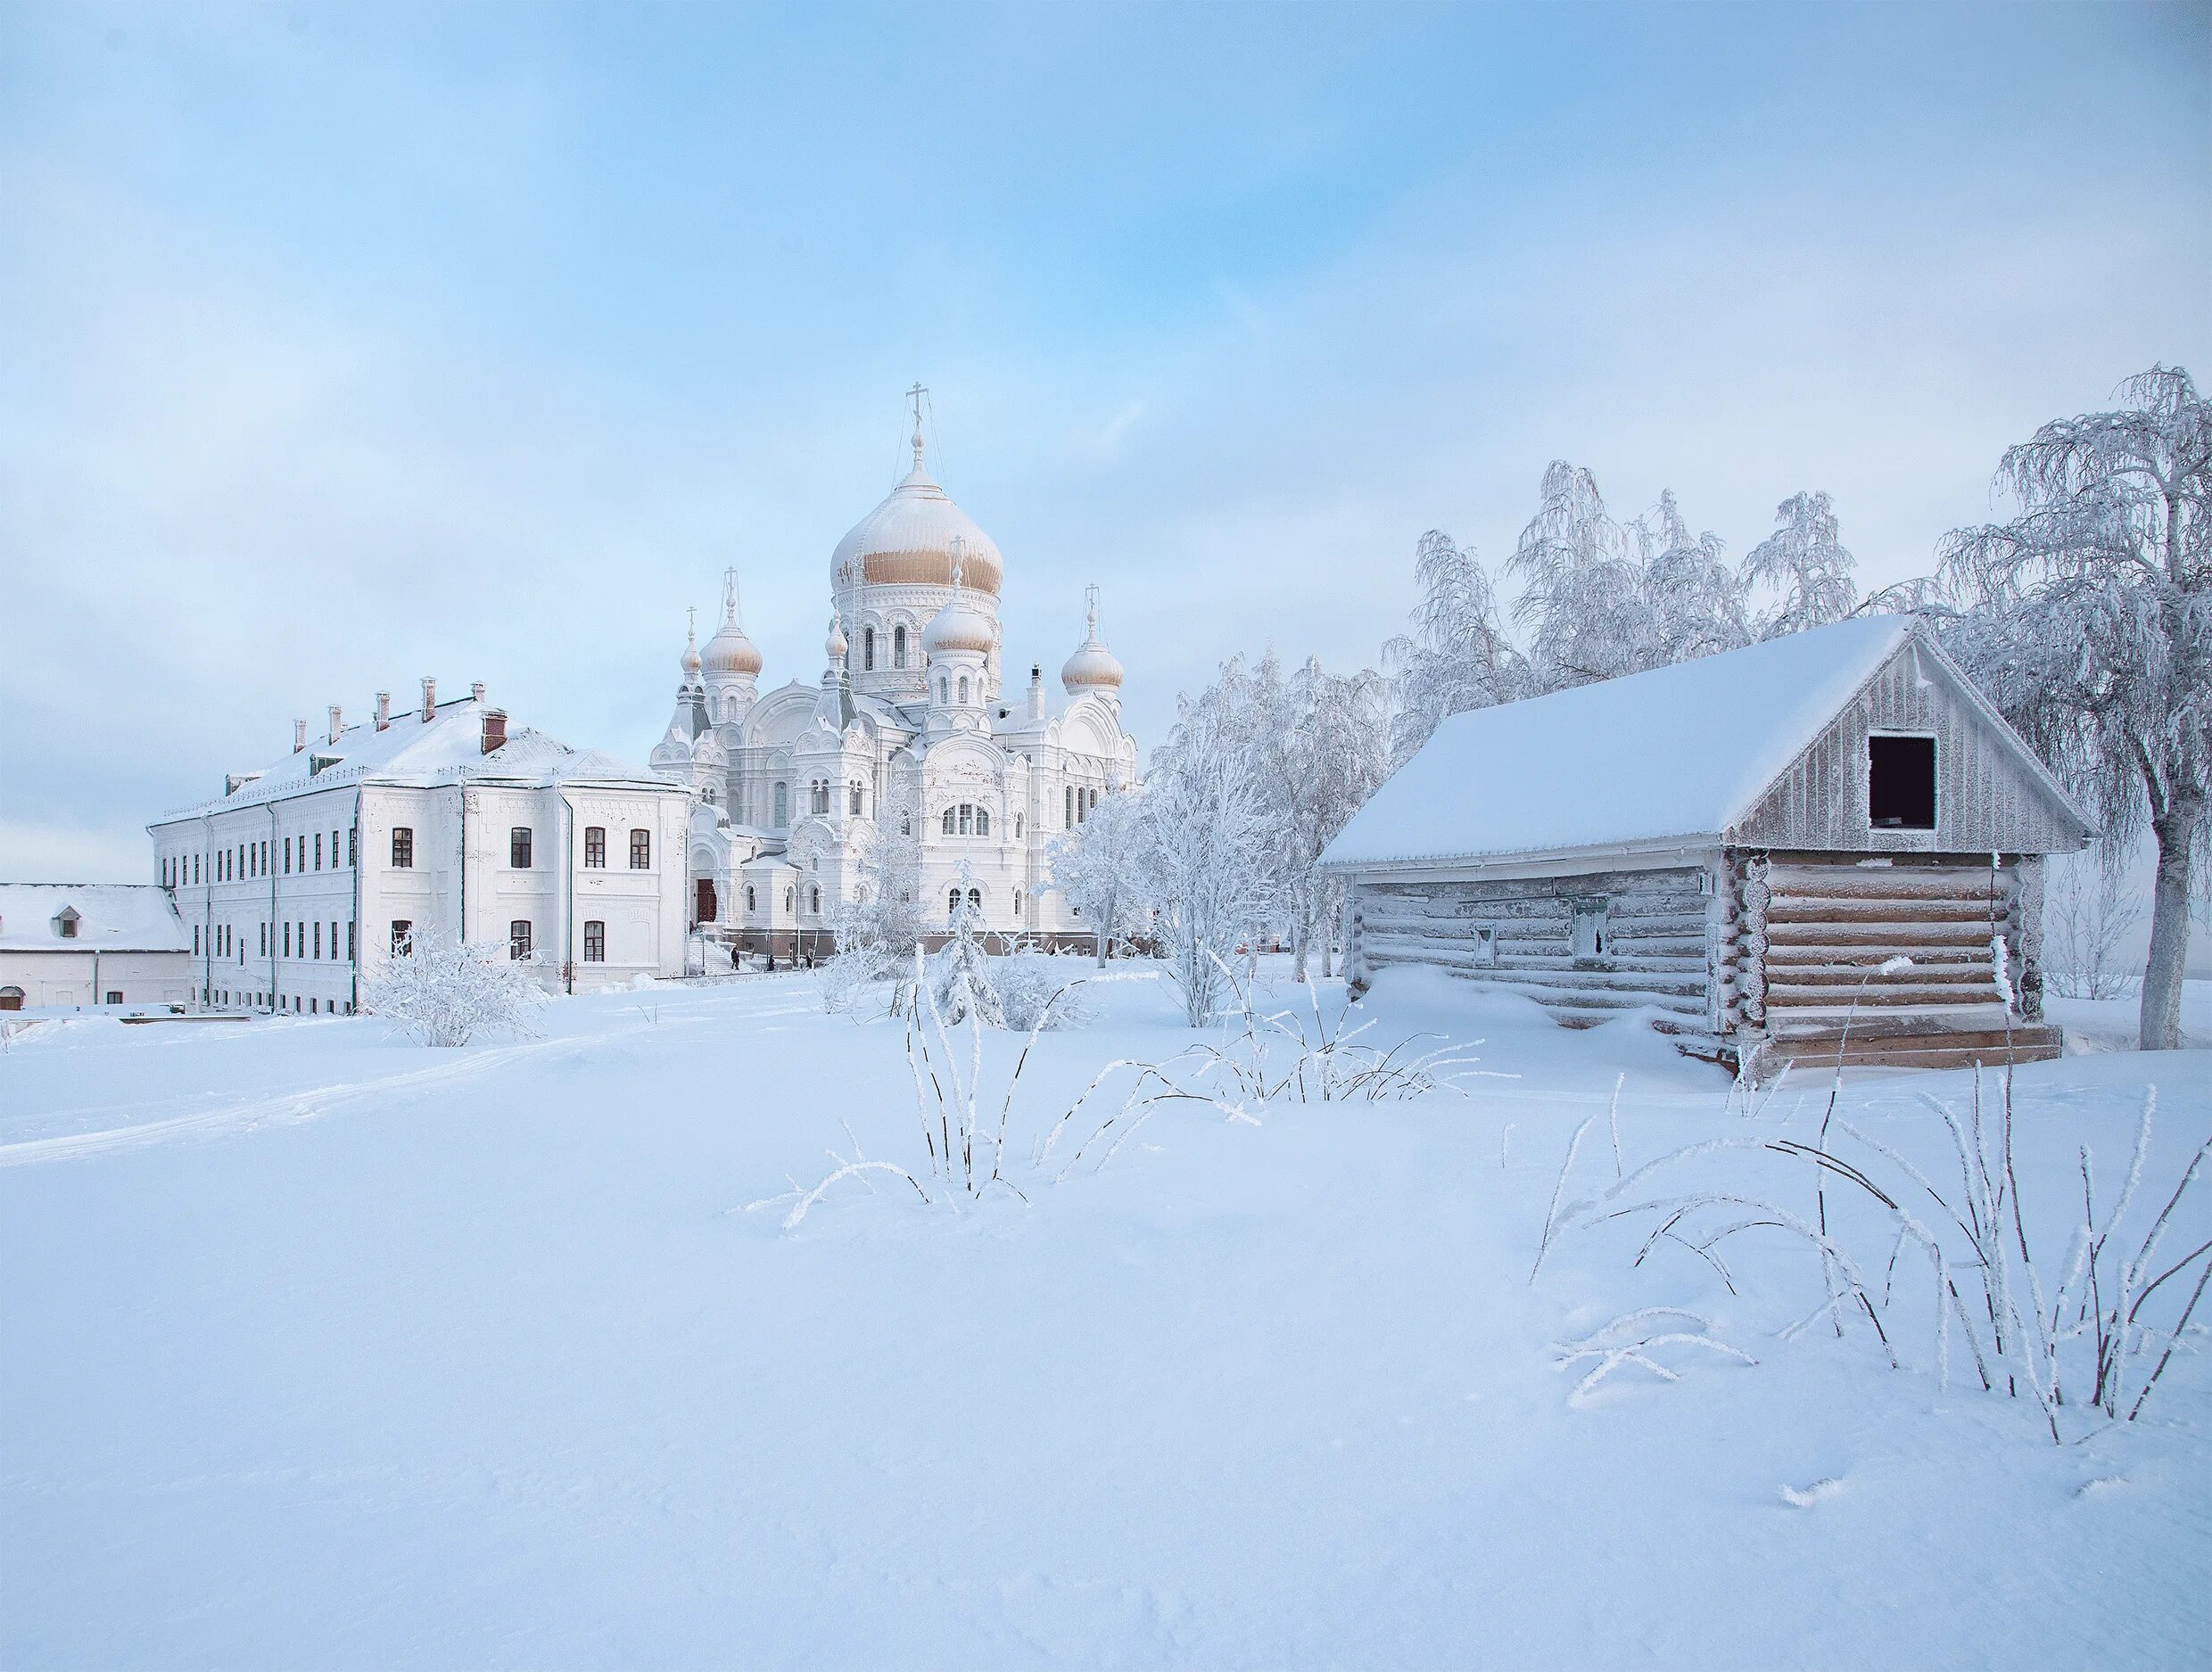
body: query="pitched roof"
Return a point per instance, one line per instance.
(1680, 753)
(111, 918)
(446, 748)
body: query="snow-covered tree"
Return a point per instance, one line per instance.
(1338, 753)
(959, 972)
(886, 907)
(446, 993)
(1458, 656)
(1803, 563)
(1208, 848)
(2092, 627)
(1101, 867)
(1602, 599)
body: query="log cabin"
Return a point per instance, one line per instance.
(1737, 847)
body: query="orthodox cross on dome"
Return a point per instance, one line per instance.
(1090, 609)
(960, 557)
(729, 596)
(915, 395)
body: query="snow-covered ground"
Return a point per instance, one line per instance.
(2093, 1024)
(322, 1350)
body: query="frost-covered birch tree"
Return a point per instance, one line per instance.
(1208, 848)
(1458, 655)
(1102, 867)
(2090, 626)
(1338, 753)
(1805, 565)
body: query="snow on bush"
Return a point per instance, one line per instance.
(446, 993)
(1037, 991)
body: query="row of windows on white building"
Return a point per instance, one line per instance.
(256, 858)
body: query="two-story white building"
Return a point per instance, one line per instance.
(299, 876)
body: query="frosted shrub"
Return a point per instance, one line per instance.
(1035, 990)
(445, 993)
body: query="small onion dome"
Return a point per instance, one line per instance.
(959, 626)
(690, 656)
(730, 651)
(1093, 667)
(835, 646)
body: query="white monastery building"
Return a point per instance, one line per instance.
(910, 734)
(291, 884)
(75, 943)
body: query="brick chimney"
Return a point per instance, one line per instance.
(494, 727)
(383, 711)
(337, 722)
(430, 700)
(298, 736)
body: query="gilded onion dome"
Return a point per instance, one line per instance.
(912, 540)
(730, 651)
(1093, 667)
(691, 655)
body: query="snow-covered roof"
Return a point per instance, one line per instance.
(448, 748)
(1680, 753)
(111, 917)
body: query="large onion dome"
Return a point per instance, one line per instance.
(1093, 667)
(915, 537)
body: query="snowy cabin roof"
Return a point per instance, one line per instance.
(111, 917)
(1682, 754)
(448, 748)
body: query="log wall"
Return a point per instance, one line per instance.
(1660, 930)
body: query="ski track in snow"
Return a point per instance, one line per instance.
(294, 1107)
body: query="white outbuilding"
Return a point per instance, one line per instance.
(91, 944)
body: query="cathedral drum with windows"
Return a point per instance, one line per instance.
(910, 736)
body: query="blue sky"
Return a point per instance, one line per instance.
(340, 345)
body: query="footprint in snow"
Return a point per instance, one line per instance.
(1805, 1497)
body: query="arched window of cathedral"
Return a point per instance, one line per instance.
(963, 688)
(983, 821)
(853, 797)
(948, 821)
(951, 906)
(966, 819)
(975, 898)
(752, 901)
(1017, 902)
(1068, 814)
(944, 689)
(868, 648)
(907, 824)
(898, 647)
(790, 899)
(783, 805)
(1017, 826)
(814, 901)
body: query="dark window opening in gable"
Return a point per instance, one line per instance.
(1901, 783)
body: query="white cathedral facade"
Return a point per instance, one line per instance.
(911, 731)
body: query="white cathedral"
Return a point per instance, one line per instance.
(911, 721)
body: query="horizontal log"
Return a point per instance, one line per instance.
(1889, 995)
(1894, 884)
(1900, 937)
(1808, 909)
